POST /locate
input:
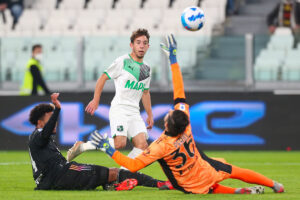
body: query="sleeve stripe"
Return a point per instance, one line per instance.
(107, 75)
(179, 100)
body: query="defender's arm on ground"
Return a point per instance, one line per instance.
(146, 99)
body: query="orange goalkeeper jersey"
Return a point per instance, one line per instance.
(186, 168)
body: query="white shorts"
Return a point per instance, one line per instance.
(125, 124)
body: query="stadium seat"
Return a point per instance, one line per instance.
(184, 4)
(278, 55)
(60, 21)
(214, 10)
(29, 22)
(266, 69)
(102, 4)
(44, 4)
(72, 4)
(281, 42)
(291, 70)
(128, 4)
(89, 21)
(156, 4)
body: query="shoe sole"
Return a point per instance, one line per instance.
(74, 151)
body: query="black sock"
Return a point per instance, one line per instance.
(143, 179)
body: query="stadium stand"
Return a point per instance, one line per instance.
(103, 27)
(99, 23)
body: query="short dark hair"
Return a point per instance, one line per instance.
(35, 47)
(177, 122)
(139, 33)
(39, 111)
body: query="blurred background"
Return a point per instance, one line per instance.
(241, 70)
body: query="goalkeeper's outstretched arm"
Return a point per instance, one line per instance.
(178, 86)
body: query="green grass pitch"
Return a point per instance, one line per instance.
(16, 180)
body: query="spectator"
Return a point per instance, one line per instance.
(33, 79)
(285, 14)
(3, 6)
(16, 8)
(233, 7)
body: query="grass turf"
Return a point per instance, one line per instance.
(16, 180)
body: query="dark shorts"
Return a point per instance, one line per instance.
(81, 177)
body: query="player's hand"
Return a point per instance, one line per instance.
(92, 107)
(101, 142)
(171, 48)
(55, 101)
(150, 122)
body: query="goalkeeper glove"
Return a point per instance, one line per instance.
(171, 48)
(101, 142)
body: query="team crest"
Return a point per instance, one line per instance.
(120, 128)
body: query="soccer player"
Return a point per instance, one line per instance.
(188, 169)
(51, 171)
(132, 80)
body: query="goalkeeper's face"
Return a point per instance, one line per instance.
(140, 46)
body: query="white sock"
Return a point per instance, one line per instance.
(135, 152)
(111, 142)
(87, 146)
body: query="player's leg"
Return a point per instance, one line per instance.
(253, 177)
(224, 171)
(82, 177)
(118, 126)
(137, 132)
(221, 189)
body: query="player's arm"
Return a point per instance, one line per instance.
(146, 99)
(144, 159)
(44, 135)
(132, 165)
(93, 105)
(178, 86)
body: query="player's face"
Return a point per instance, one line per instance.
(45, 119)
(140, 46)
(166, 119)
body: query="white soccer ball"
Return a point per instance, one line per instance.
(192, 18)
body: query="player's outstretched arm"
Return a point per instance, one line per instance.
(178, 86)
(170, 50)
(94, 103)
(101, 142)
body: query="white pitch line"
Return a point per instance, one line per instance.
(14, 163)
(267, 163)
(236, 163)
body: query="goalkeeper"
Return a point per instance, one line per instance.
(51, 170)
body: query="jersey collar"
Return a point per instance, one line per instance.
(140, 63)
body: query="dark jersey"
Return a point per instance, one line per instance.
(47, 161)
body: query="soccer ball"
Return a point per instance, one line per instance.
(192, 18)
